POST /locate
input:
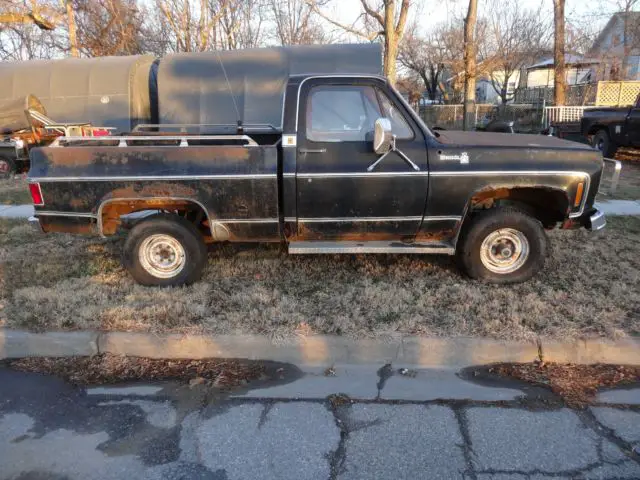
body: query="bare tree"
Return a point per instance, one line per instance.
(41, 14)
(515, 37)
(630, 33)
(71, 28)
(560, 78)
(425, 57)
(191, 25)
(241, 24)
(108, 27)
(387, 19)
(470, 49)
(295, 22)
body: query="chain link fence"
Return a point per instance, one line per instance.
(527, 118)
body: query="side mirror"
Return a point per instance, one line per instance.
(382, 136)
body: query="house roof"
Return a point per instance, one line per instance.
(569, 60)
(634, 16)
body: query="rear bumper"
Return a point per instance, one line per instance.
(596, 221)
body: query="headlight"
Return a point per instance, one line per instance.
(19, 143)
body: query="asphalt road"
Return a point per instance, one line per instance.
(431, 426)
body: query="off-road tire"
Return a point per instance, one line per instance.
(481, 225)
(171, 227)
(602, 141)
(7, 167)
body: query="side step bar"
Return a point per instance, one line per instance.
(368, 247)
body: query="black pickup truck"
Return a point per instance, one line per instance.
(609, 128)
(352, 169)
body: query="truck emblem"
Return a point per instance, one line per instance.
(463, 158)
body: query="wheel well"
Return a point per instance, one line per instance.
(110, 212)
(593, 129)
(548, 205)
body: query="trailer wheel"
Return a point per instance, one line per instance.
(7, 167)
(602, 141)
(502, 245)
(165, 250)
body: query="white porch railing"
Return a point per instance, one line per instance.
(562, 114)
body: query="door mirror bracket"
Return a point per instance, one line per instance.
(384, 142)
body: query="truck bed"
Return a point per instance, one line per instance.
(235, 185)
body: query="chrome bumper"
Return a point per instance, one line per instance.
(35, 224)
(597, 221)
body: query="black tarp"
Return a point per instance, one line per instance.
(200, 88)
(107, 91)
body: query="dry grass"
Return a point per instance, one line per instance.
(14, 191)
(577, 385)
(106, 369)
(590, 287)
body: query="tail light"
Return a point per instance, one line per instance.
(36, 194)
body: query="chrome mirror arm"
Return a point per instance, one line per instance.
(399, 152)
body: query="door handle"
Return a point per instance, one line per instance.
(312, 150)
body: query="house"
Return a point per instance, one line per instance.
(618, 48)
(485, 91)
(578, 71)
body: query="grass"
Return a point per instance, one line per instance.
(14, 191)
(589, 287)
(629, 185)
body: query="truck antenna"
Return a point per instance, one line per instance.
(233, 97)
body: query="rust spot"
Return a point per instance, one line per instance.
(436, 236)
(485, 197)
(65, 227)
(112, 212)
(156, 189)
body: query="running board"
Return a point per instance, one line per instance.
(368, 247)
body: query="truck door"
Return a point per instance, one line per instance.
(342, 193)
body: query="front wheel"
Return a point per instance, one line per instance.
(165, 250)
(502, 245)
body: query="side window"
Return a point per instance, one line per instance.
(337, 113)
(399, 125)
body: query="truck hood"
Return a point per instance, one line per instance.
(462, 139)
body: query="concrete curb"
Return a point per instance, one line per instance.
(318, 350)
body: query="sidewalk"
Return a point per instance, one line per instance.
(609, 207)
(49, 429)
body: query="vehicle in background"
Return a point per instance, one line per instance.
(609, 128)
(24, 125)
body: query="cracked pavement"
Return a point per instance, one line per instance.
(434, 425)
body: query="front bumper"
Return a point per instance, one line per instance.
(35, 224)
(596, 221)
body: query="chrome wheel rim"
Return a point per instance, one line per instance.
(4, 166)
(162, 256)
(504, 251)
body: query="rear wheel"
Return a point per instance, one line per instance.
(165, 250)
(602, 141)
(502, 245)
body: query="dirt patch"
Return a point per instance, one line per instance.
(107, 369)
(14, 191)
(590, 287)
(577, 385)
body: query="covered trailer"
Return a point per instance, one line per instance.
(216, 89)
(108, 91)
